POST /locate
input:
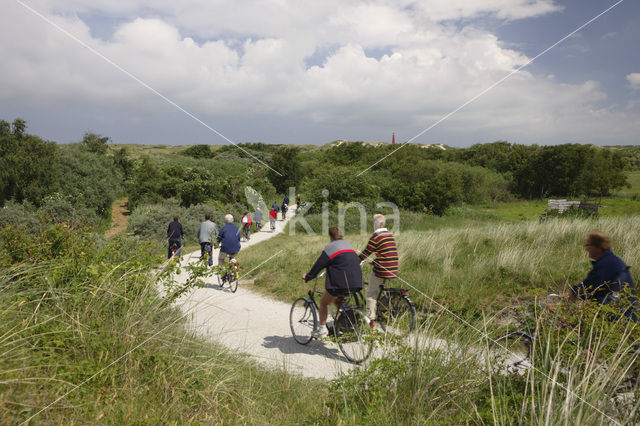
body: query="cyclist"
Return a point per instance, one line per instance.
(275, 207)
(229, 239)
(285, 206)
(344, 274)
(258, 219)
(385, 265)
(207, 231)
(298, 200)
(246, 225)
(175, 234)
(273, 214)
(608, 276)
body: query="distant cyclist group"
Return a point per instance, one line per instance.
(228, 238)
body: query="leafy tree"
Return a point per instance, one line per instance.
(95, 143)
(145, 183)
(122, 160)
(286, 171)
(87, 179)
(346, 154)
(27, 164)
(198, 151)
(569, 170)
(602, 173)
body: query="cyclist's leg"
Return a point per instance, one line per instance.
(222, 258)
(203, 250)
(323, 306)
(372, 294)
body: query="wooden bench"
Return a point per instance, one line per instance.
(563, 205)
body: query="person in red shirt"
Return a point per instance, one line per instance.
(272, 219)
(246, 226)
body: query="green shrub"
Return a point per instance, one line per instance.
(19, 214)
(150, 221)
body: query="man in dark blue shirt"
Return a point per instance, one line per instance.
(175, 236)
(608, 277)
(229, 239)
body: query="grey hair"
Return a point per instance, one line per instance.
(378, 221)
(228, 218)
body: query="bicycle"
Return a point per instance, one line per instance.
(351, 327)
(229, 274)
(176, 250)
(246, 231)
(284, 209)
(394, 310)
(520, 343)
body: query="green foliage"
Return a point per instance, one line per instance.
(60, 209)
(146, 181)
(27, 165)
(19, 215)
(122, 160)
(198, 151)
(87, 179)
(570, 170)
(36, 171)
(285, 169)
(502, 157)
(95, 143)
(77, 309)
(342, 184)
(150, 221)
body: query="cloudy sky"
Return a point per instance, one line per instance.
(289, 71)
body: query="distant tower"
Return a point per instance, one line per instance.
(393, 140)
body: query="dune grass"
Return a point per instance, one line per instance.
(470, 284)
(84, 338)
(81, 315)
(471, 269)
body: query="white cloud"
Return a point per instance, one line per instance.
(388, 62)
(634, 80)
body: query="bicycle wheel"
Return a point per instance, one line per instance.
(233, 281)
(353, 335)
(396, 314)
(303, 319)
(221, 278)
(513, 349)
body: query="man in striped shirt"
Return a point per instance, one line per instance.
(385, 266)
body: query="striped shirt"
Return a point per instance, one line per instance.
(384, 246)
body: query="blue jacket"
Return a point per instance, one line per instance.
(608, 275)
(229, 236)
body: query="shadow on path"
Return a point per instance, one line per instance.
(287, 345)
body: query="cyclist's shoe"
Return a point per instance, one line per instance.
(320, 332)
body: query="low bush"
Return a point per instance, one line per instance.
(150, 221)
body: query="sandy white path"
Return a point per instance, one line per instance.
(257, 325)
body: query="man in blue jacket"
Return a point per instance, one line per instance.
(344, 274)
(229, 239)
(608, 276)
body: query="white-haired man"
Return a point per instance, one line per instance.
(229, 239)
(385, 265)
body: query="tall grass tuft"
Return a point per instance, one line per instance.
(84, 338)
